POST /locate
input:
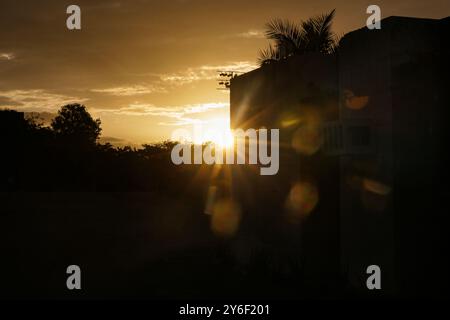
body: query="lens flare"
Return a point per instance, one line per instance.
(307, 139)
(355, 102)
(226, 218)
(376, 187)
(375, 195)
(302, 199)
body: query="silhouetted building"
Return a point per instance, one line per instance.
(392, 109)
(299, 205)
(366, 124)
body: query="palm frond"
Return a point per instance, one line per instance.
(336, 42)
(312, 35)
(288, 36)
(268, 55)
(318, 34)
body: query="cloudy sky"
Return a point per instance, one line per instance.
(147, 67)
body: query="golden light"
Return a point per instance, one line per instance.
(375, 195)
(302, 199)
(355, 102)
(216, 131)
(376, 187)
(308, 138)
(226, 218)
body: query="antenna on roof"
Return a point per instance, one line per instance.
(224, 78)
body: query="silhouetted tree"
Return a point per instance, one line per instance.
(312, 35)
(74, 122)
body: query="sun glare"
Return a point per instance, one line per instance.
(215, 130)
(222, 136)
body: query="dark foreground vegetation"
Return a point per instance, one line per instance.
(134, 222)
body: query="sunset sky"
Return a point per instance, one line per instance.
(148, 67)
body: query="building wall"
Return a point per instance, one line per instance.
(380, 105)
(386, 192)
(366, 213)
(296, 96)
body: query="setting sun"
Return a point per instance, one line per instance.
(216, 130)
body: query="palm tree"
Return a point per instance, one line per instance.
(312, 35)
